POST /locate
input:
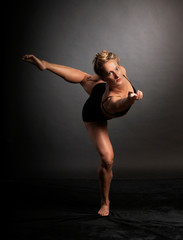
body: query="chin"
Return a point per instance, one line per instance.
(119, 82)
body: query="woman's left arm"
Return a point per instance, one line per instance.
(120, 105)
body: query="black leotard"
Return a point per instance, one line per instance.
(92, 111)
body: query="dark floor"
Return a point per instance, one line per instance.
(67, 209)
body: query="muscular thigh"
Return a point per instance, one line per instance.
(89, 84)
(98, 133)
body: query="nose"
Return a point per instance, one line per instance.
(116, 75)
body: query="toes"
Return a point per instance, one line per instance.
(27, 57)
(103, 214)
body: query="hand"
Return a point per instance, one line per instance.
(135, 96)
(41, 64)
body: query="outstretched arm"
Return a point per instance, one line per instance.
(115, 105)
(127, 102)
(69, 74)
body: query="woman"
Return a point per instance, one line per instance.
(111, 96)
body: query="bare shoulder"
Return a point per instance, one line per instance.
(112, 104)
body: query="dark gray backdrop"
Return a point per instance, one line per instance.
(44, 134)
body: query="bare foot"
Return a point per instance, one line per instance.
(104, 210)
(36, 61)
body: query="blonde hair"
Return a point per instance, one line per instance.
(101, 58)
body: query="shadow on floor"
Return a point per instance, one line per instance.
(67, 209)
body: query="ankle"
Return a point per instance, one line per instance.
(45, 64)
(105, 202)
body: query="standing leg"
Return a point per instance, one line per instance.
(99, 135)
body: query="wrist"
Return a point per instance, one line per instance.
(130, 100)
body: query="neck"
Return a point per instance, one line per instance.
(119, 88)
(115, 89)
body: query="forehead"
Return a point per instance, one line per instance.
(110, 65)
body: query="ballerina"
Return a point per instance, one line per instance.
(111, 95)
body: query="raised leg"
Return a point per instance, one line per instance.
(99, 135)
(69, 74)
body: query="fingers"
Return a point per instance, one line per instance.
(135, 96)
(132, 95)
(139, 95)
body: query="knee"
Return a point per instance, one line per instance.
(107, 160)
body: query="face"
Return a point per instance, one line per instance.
(112, 73)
